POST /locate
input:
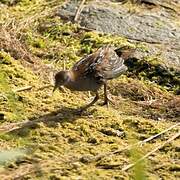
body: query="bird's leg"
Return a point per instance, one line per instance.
(106, 98)
(91, 103)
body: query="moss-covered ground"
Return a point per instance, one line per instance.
(60, 143)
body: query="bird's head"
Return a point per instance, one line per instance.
(60, 79)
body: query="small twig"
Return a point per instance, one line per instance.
(109, 166)
(30, 87)
(86, 29)
(151, 152)
(156, 135)
(23, 89)
(11, 126)
(96, 158)
(44, 87)
(27, 123)
(2, 95)
(78, 12)
(146, 140)
(148, 102)
(169, 7)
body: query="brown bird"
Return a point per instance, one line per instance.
(93, 71)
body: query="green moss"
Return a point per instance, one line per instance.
(96, 40)
(38, 43)
(5, 59)
(56, 29)
(152, 69)
(12, 99)
(13, 69)
(10, 2)
(67, 144)
(13, 76)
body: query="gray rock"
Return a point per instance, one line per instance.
(159, 29)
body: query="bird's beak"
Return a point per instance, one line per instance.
(62, 89)
(55, 87)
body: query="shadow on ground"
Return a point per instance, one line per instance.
(52, 119)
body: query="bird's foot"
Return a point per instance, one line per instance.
(107, 101)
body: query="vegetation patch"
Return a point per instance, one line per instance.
(57, 142)
(151, 69)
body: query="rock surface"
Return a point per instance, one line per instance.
(155, 23)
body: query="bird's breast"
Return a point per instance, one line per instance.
(84, 84)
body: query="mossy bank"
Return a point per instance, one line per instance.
(53, 140)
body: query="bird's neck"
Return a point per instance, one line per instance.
(71, 77)
(72, 82)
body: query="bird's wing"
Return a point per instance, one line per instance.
(111, 65)
(102, 64)
(87, 65)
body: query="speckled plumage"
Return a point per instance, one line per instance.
(93, 71)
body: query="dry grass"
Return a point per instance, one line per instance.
(10, 42)
(14, 29)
